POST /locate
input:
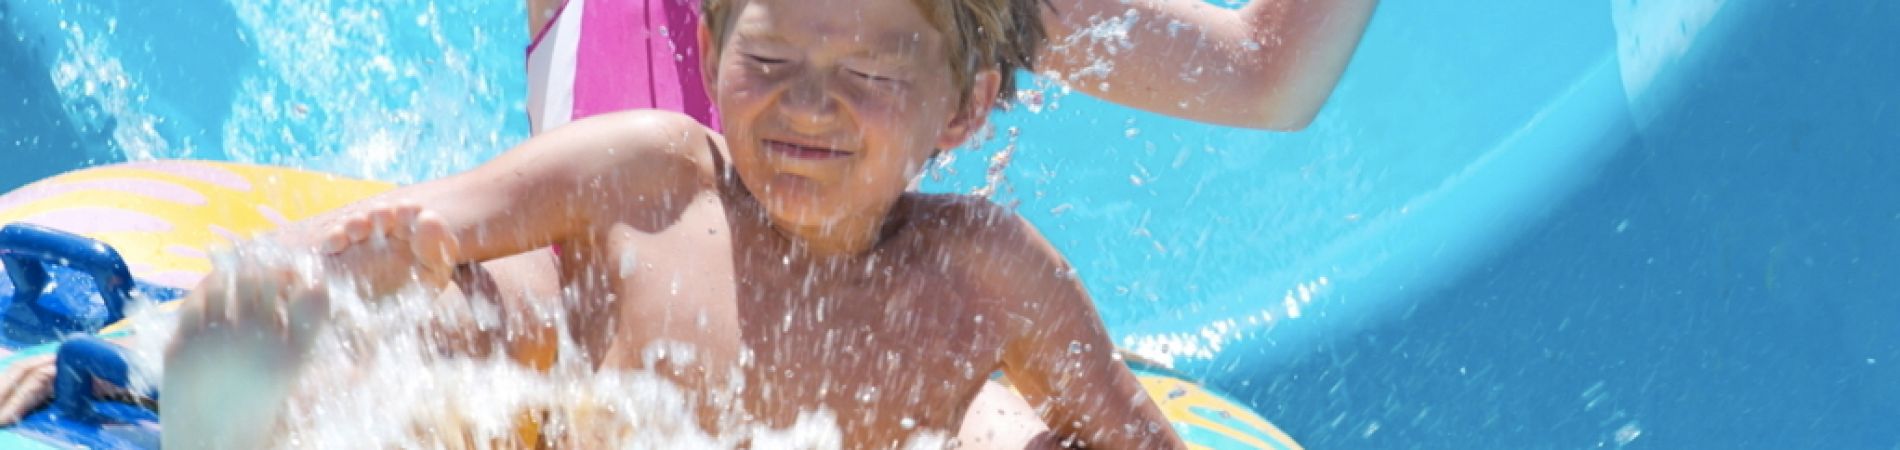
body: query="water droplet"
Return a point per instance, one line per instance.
(1628, 432)
(907, 423)
(1075, 347)
(867, 393)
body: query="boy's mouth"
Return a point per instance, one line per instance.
(796, 151)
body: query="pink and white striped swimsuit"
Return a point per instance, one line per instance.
(599, 56)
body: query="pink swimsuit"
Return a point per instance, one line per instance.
(599, 56)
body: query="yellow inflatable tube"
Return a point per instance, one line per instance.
(163, 216)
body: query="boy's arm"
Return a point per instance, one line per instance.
(561, 185)
(1270, 64)
(1059, 356)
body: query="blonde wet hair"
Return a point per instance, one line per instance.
(1001, 35)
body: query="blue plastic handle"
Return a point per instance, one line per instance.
(80, 362)
(26, 248)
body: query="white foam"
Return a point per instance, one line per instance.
(373, 378)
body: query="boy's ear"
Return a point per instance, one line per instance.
(975, 113)
(708, 61)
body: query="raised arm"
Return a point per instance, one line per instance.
(1060, 356)
(1270, 64)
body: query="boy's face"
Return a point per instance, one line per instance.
(832, 107)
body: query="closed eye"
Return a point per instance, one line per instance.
(765, 60)
(873, 77)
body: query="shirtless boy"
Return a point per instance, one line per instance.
(787, 251)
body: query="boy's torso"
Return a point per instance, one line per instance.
(893, 342)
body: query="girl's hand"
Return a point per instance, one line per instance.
(25, 386)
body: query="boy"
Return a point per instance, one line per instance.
(786, 253)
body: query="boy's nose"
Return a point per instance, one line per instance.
(806, 103)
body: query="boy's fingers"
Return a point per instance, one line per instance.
(357, 229)
(247, 288)
(336, 240)
(308, 310)
(380, 219)
(407, 214)
(432, 241)
(217, 305)
(198, 314)
(288, 286)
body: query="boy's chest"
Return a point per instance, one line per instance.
(890, 344)
(886, 348)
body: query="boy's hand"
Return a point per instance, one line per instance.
(259, 293)
(242, 337)
(387, 246)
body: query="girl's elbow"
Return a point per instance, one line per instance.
(1266, 113)
(1282, 108)
(1288, 121)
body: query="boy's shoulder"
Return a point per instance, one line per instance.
(980, 231)
(958, 216)
(997, 251)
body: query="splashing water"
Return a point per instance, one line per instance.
(1103, 39)
(401, 90)
(431, 106)
(103, 99)
(373, 377)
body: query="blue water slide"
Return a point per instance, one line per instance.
(1457, 125)
(1724, 278)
